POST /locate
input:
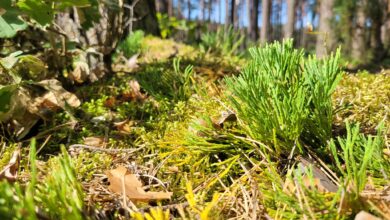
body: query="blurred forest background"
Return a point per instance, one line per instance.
(360, 27)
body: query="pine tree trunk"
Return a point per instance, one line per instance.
(358, 38)
(202, 16)
(233, 13)
(170, 8)
(266, 8)
(253, 13)
(325, 38)
(227, 20)
(289, 29)
(189, 9)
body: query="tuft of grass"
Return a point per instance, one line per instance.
(132, 44)
(284, 99)
(224, 42)
(57, 195)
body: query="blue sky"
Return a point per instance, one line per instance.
(218, 12)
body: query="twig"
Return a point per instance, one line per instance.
(106, 150)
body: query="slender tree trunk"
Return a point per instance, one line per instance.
(233, 13)
(291, 10)
(202, 16)
(170, 8)
(209, 10)
(162, 6)
(378, 12)
(253, 13)
(179, 15)
(220, 11)
(325, 38)
(227, 20)
(266, 7)
(358, 38)
(189, 9)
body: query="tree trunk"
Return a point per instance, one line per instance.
(233, 12)
(202, 16)
(189, 9)
(162, 6)
(104, 36)
(170, 8)
(358, 38)
(325, 38)
(179, 15)
(378, 12)
(289, 28)
(253, 14)
(266, 7)
(209, 10)
(227, 20)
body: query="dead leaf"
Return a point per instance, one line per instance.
(135, 93)
(132, 62)
(57, 95)
(2, 11)
(111, 102)
(94, 141)
(126, 65)
(225, 116)
(362, 215)
(324, 182)
(124, 126)
(10, 171)
(80, 73)
(124, 182)
(386, 152)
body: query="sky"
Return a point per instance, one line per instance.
(218, 12)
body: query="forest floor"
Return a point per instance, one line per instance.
(164, 133)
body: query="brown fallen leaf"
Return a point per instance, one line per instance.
(386, 152)
(2, 11)
(135, 93)
(124, 127)
(94, 141)
(362, 215)
(225, 116)
(324, 182)
(124, 182)
(80, 73)
(57, 95)
(10, 171)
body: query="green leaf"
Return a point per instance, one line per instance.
(63, 4)
(38, 10)
(6, 93)
(10, 24)
(89, 15)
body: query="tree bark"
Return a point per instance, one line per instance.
(170, 8)
(291, 10)
(265, 24)
(202, 16)
(377, 14)
(325, 37)
(189, 9)
(253, 14)
(358, 38)
(227, 20)
(103, 37)
(233, 12)
(162, 6)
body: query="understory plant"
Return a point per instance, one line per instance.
(224, 42)
(132, 44)
(56, 196)
(283, 98)
(360, 156)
